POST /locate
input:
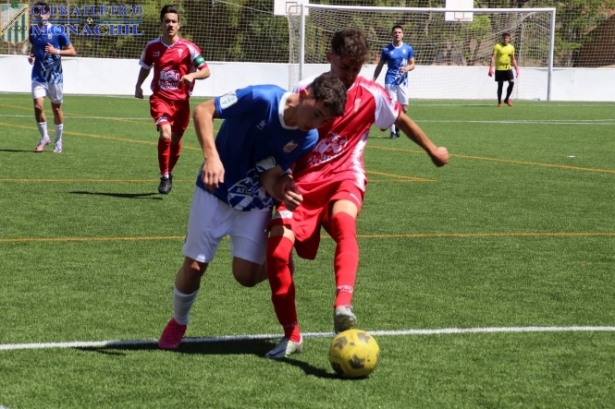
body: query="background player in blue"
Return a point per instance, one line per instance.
(399, 58)
(265, 131)
(49, 44)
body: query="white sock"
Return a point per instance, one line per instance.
(59, 129)
(42, 129)
(182, 303)
(393, 128)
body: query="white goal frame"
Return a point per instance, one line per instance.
(551, 11)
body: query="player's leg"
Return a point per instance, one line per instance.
(279, 249)
(187, 284)
(181, 120)
(511, 84)
(56, 95)
(249, 246)
(500, 78)
(161, 111)
(403, 98)
(341, 226)
(209, 221)
(392, 91)
(39, 92)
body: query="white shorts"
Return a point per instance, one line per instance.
(42, 89)
(399, 93)
(211, 219)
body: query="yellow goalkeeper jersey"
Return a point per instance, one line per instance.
(503, 54)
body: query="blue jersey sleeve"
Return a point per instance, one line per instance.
(304, 147)
(236, 104)
(384, 54)
(63, 40)
(410, 52)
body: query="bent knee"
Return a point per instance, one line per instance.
(249, 274)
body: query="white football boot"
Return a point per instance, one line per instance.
(285, 348)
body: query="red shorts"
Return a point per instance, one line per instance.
(314, 212)
(173, 112)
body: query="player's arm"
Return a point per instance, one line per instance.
(281, 186)
(378, 69)
(66, 51)
(411, 65)
(213, 170)
(438, 155)
(198, 75)
(513, 60)
(31, 54)
(491, 62)
(143, 73)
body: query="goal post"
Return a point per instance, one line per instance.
(452, 57)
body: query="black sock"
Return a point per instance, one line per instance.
(509, 90)
(500, 86)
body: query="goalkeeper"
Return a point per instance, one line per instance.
(503, 56)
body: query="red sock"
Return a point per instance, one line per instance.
(282, 285)
(175, 152)
(346, 262)
(164, 150)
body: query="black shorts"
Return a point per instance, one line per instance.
(504, 75)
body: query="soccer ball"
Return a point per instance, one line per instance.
(354, 353)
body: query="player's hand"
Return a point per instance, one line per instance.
(187, 79)
(517, 72)
(31, 59)
(138, 92)
(212, 173)
(490, 72)
(51, 49)
(440, 156)
(286, 191)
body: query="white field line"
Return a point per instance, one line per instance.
(227, 338)
(608, 122)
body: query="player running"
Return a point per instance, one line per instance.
(503, 56)
(399, 58)
(332, 180)
(177, 63)
(265, 129)
(49, 44)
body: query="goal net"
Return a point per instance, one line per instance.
(452, 57)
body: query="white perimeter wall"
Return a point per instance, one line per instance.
(98, 76)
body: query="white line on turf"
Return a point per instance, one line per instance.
(607, 122)
(226, 338)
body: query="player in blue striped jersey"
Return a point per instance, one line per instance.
(49, 43)
(246, 171)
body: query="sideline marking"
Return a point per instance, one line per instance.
(247, 337)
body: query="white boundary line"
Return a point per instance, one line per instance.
(607, 122)
(226, 338)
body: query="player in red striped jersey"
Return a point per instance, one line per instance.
(332, 180)
(177, 63)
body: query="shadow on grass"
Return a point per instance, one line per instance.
(18, 150)
(121, 195)
(256, 347)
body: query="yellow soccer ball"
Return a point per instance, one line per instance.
(354, 353)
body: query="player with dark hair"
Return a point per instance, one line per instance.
(48, 47)
(399, 58)
(246, 169)
(177, 64)
(504, 56)
(332, 180)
